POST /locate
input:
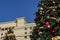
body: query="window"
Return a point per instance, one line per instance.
(25, 28)
(25, 37)
(30, 27)
(2, 29)
(25, 32)
(6, 28)
(1, 33)
(31, 36)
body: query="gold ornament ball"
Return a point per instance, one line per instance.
(53, 9)
(41, 11)
(41, 8)
(48, 26)
(53, 1)
(40, 33)
(54, 38)
(57, 20)
(41, 27)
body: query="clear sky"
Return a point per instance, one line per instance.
(11, 9)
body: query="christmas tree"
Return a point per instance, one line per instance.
(47, 21)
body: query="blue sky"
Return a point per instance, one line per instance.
(11, 9)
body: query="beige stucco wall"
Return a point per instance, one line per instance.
(7, 24)
(21, 22)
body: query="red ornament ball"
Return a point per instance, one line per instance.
(49, 2)
(52, 31)
(47, 23)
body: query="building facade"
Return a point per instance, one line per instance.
(18, 29)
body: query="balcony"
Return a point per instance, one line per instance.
(11, 34)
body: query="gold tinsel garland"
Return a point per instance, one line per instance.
(56, 38)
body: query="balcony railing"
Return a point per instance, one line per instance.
(11, 34)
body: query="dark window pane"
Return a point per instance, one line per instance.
(1, 33)
(25, 32)
(2, 29)
(25, 28)
(6, 28)
(30, 27)
(25, 37)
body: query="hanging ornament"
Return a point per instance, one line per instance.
(54, 2)
(47, 23)
(41, 8)
(53, 9)
(40, 33)
(41, 11)
(52, 31)
(48, 26)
